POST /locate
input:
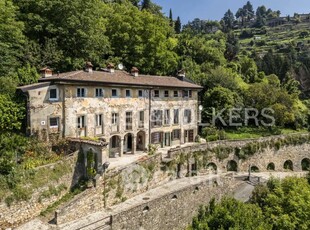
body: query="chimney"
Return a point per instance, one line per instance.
(181, 74)
(46, 72)
(135, 71)
(89, 67)
(111, 67)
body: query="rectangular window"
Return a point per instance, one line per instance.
(114, 119)
(81, 122)
(157, 118)
(128, 93)
(166, 93)
(54, 122)
(53, 94)
(99, 120)
(190, 94)
(140, 92)
(187, 116)
(141, 119)
(156, 93)
(99, 92)
(175, 93)
(156, 138)
(128, 120)
(80, 92)
(167, 117)
(176, 134)
(176, 116)
(185, 93)
(114, 93)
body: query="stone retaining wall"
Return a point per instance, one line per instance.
(22, 211)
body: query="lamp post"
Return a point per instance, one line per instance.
(104, 168)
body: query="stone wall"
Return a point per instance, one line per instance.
(137, 178)
(117, 186)
(22, 211)
(174, 210)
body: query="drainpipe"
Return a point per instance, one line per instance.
(64, 111)
(150, 110)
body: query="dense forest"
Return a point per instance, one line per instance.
(278, 205)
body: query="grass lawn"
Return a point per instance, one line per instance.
(246, 133)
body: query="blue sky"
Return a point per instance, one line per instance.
(215, 9)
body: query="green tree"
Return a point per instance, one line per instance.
(71, 32)
(230, 214)
(11, 114)
(228, 21)
(11, 38)
(178, 25)
(142, 39)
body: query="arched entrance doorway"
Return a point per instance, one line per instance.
(115, 146)
(141, 141)
(128, 143)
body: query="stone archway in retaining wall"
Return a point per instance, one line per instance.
(232, 166)
(271, 167)
(288, 165)
(254, 168)
(305, 164)
(211, 167)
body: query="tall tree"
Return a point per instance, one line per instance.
(146, 4)
(178, 25)
(11, 38)
(170, 18)
(73, 31)
(228, 20)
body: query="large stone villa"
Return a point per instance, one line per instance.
(127, 110)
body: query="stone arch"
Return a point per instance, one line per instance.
(288, 165)
(254, 168)
(271, 166)
(232, 166)
(212, 167)
(174, 197)
(115, 146)
(305, 164)
(141, 141)
(128, 143)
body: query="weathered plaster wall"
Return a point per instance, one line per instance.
(25, 210)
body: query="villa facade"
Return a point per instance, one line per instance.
(127, 110)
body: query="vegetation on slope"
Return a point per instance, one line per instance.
(277, 205)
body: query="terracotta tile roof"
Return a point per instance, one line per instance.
(121, 78)
(25, 88)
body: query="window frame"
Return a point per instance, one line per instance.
(176, 93)
(166, 95)
(156, 93)
(97, 90)
(167, 117)
(81, 121)
(130, 93)
(99, 120)
(176, 119)
(82, 93)
(54, 126)
(49, 94)
(117, 93)
(115, 118)
(187, 117)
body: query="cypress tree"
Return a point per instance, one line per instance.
(177, 25)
